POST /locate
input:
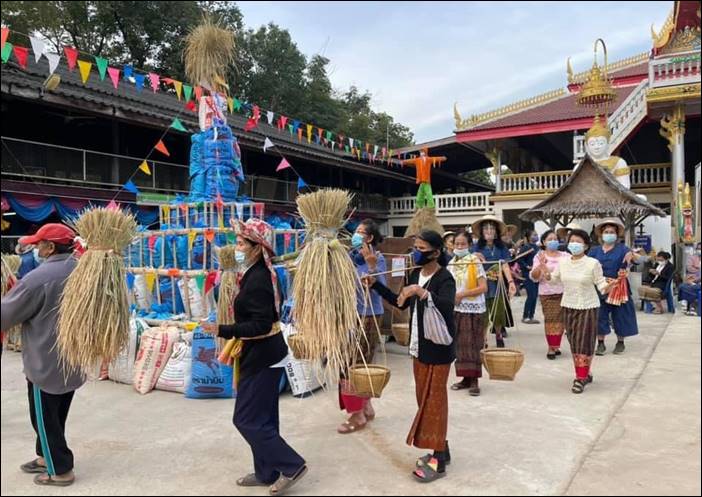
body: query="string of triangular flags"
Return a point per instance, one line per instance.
(338, 142)
(284, 163)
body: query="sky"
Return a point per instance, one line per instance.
(418, 58)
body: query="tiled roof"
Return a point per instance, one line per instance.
(562, 109)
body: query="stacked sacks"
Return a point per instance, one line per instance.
(197, 168)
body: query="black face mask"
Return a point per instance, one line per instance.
(422, 258)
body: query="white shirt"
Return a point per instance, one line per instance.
(470, 305)
(579, 278)
(414, 342)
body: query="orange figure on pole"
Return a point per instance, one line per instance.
(424, 163)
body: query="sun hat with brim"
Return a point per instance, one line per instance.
(257, 231)
(561, 232)
(477, 226)
(448, 233)
(52, 232)
(611, 221)
(512, 229)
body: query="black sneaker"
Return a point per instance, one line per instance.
(619, 348)
(601, 349)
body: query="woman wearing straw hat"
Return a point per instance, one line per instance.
(431, 286)
(614, 256)
(256, 310)
(491, 249)
(579, 275)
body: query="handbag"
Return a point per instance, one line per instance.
(435, 328)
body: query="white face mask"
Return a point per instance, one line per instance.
(240, 257)
(461, 252)
(37, 258)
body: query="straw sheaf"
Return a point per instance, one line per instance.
(326, 282)
(228, 288)
(209, 50)
(13, 262)
(423, 219)
(93, 322)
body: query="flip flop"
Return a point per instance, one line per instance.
(250, 480)
(33, 467)
(460, 386)
(284, 483)
(50, 482)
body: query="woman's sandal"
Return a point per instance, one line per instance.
(551, 356)
(474, 391)
(428, 472)
(285, 483)
(50, 482)
(33, 467)
(558, 352)
(350, 427)
(461, 385)
(579, 385)
(250, 480)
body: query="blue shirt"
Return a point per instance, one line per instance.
(376, 301)
(527, 262)
(28, 264)
(611, 261)
(492, 254)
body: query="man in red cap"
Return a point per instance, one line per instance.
(34, 302)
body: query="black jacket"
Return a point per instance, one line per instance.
(442, 287)
(661, 280)
(255, 313)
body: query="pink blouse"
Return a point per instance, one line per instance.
(546, 287)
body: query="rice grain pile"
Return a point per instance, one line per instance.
(325, 283)
(93, 323)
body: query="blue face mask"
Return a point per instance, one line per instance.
(609, 238)
(37, 259)
(240, 257)
(535, 239)
(553, 244)
(421, 258)
(461, 252)
(357, 240)
(576, 248)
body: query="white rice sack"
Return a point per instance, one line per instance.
(197, 309)
(174, 376)
(121, 369)
(154, 351)
(141, 293)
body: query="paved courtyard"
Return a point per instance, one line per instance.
(636, 430)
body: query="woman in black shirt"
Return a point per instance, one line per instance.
(433, 285)
(256, 310)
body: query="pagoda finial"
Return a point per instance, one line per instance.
(457, 116)
(569, 70)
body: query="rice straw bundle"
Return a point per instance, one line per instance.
(8, 275)
(423, 219)
(326, 282)
(209, 50)
(228, 288)
(13, 262)
(14, 336)
(93, 323)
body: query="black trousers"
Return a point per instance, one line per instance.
(256, 418)
(52, 417)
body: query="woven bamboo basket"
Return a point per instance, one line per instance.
(369, 380)
(502, 364)
(401, 332)
(299, 350)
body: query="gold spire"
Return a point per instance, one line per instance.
(598, 89)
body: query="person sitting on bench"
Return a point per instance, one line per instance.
(662, 275)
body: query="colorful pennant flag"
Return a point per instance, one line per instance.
(38, 47)
(281, 122)
(258, 207)
(144, 166)
(200, 280)
(269, 116)
(267, 143)
(178, 87)
(114, 75)
(5, 33)
(191, 239)
(230, 105)
(191, 106)
(113, 206)
(209, 235)
(176, 124)
(128, 71)
(131, 187)
(299, 134)
(84, 68)
(150, 279)
(300, 184)
(71, 57)
(188, 90)
(155, 81)
(198, 93)
(161, 147)
(101, 63)
(250, 124)
(53, 59)
(21, 54)
(284, 164)
(139, 81)
(309, 133)
(130, 281)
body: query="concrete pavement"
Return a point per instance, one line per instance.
(635, 430)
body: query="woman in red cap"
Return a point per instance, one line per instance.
(34, 302)
(256, 309)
